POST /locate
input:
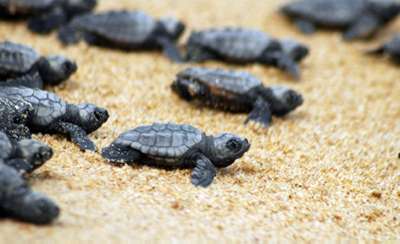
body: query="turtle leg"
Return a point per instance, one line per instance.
(365, 27)
(68, 35)
(204, 172)
(20, 165)
(46, 23)
(197, 54)
(261, 113)
(305, 26)
(75, 133)
(117, 154)
(170, 50)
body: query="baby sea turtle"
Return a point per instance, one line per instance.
(60, 15)
(236, 91)
(126, 30)
(177, 146)
(391, 49)
(18, 60)
(18, 201)
(240, 45)
(53, 115)
(359, 19)
(44, 15)
(26, 155)
(14, 114)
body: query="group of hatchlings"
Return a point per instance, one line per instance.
(27, 108)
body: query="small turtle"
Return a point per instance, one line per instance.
(177, 146)
(240, 45)
(26, 155)
(18, 201)
(18, 60)
(236, 91)
(44, 15)
(53, 115)
(127, 30)
(14, 115)
(391, 48)
(360, 19)
(60, 15)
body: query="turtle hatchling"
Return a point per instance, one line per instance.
(391, 49)
(127, 30)
(236, 91)
(240, 45)
(177, 146)
(359, 19)
(25, 156)
(44, 15)
(14, 114)
(18, 201)
(18, 60)
(53, 115)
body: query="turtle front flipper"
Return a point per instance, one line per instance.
(204, 172)
(287, 64)
(76, 134)
(47, 22)
(117, 154)
(170, 50)
(31, 80)
(363, 28)
(261, 113)
(305, 26)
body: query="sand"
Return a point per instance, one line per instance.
(327, 172)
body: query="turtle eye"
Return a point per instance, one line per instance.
(233, 145)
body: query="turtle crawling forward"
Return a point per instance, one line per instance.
(236, 91)
(53, 115)
(177, 146)
(127, 30)
(240, 45)
(359, 19)
(21, 65)
(45, 15)
(391, 49)
(18, 201)
(26, 155)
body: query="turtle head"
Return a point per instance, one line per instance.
(36, 208)
(294, 49)
(91, 117)
(287, 100)
(56, 69)
(34, 152)
(227, 148)
(172, 27)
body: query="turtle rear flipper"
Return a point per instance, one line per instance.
(118, 155)
(68, 35)
(47, 22)
(363, 28)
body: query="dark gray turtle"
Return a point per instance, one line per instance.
(125, 30)
(359, 19)
(60, 15)
(26, 155)
(391, 49)
(18, 60)
(177, 146)
(53, 115)
(18, 201)
(240, 45)
(14, 114)
(236, 92)
(44, 15)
